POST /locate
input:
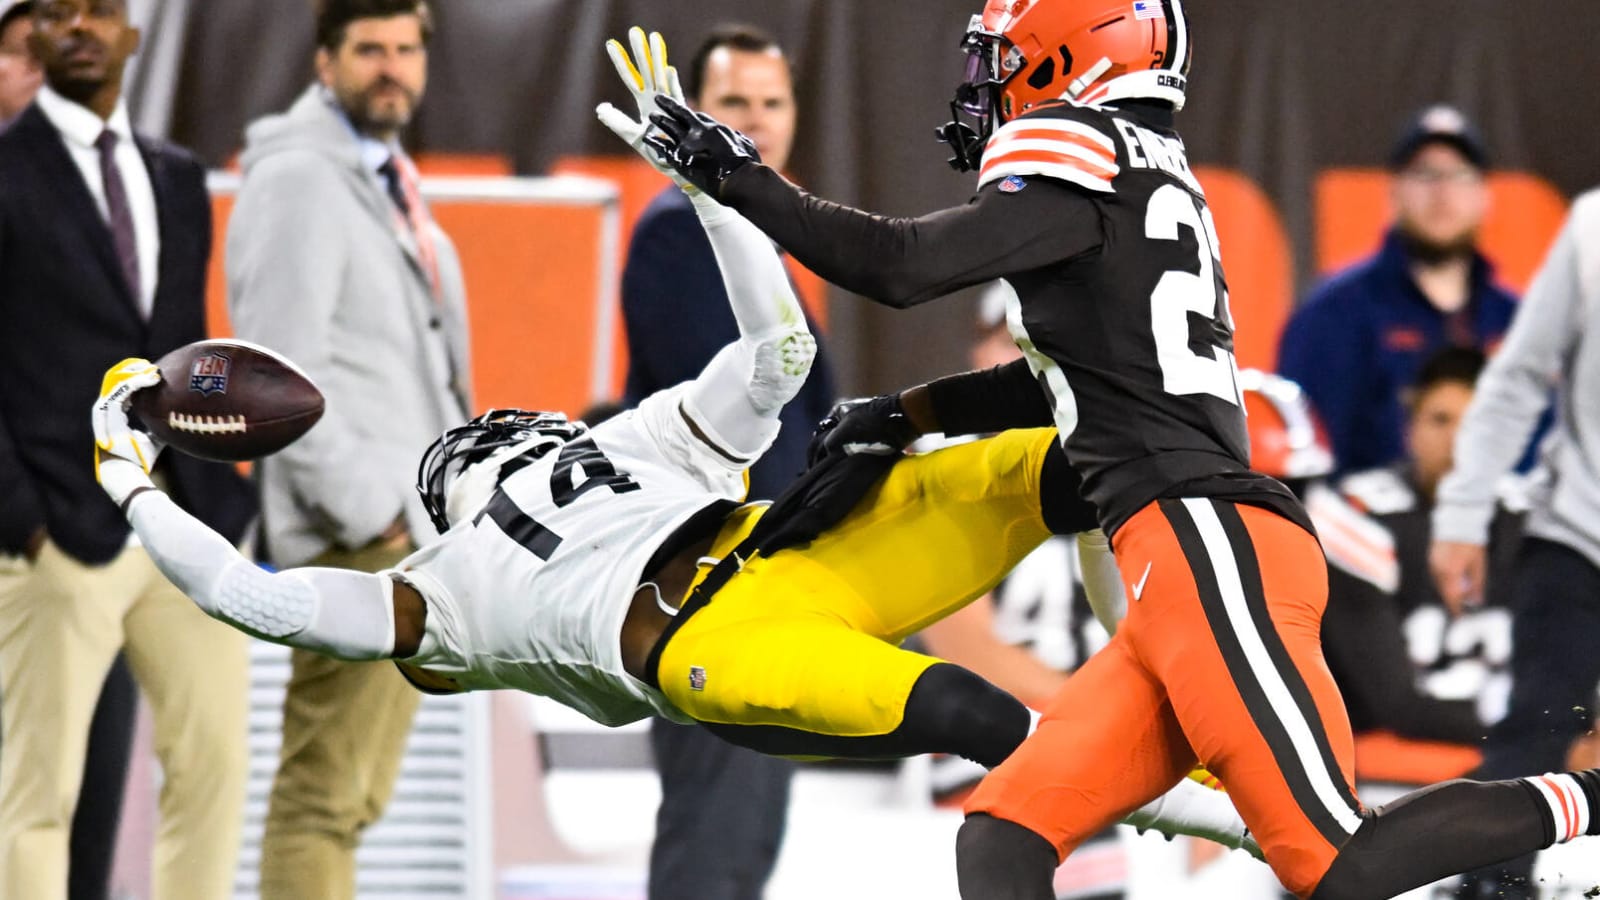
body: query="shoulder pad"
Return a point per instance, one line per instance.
(1379, 492)
(1068, 143)
(1353, 540)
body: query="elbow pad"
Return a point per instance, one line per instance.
(343, 614)
(780, 364)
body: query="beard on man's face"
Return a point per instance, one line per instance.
(78, 66)
(1432, 251)
(385, 105)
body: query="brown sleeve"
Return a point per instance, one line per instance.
(902, 262)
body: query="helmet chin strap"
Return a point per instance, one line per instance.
(1087, 80)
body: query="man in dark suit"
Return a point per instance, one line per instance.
(105, 769)
(104, 240)
(722, 813)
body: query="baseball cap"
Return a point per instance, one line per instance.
(1440, 124)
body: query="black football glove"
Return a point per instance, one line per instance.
(818, 500)
(702, 150)
(875, 427)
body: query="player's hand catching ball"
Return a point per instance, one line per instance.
(123, 455)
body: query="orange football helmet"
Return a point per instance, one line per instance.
(1021, 53)
(1286, 440)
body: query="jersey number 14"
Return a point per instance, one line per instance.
(581, 455)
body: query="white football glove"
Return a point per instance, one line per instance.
(646, 76)
(123, 455)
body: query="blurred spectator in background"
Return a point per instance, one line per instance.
(723, 807)
(334, 261)
(1357, 342)
(1556, 582)
(20, 73)
(1025, 637)
(104, 242)
(1421, 683)
(105, 768)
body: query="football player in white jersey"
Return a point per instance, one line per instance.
(614, 570)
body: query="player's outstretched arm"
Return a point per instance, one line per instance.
(898, 262)
(734, 402)
(347, 615)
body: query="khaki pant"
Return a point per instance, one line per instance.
(344, 731)
(61, 624)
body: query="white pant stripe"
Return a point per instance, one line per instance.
(1267, 675)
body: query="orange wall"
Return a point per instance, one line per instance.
(533, 276)
(533, 272)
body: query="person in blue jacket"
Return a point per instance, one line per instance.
(1357, 342)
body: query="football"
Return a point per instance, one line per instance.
(228, 401)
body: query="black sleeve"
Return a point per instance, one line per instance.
(1365, 647)
(1006, 397)
(990, 400)
(901, 262)
(23, 511)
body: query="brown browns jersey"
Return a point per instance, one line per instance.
(1132, 341)
(1092, 215)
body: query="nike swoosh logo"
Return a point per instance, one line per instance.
(1138, 586)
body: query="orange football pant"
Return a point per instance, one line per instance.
(1218, 662)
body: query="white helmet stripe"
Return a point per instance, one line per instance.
(1178, 41)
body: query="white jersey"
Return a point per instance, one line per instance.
(530, 592)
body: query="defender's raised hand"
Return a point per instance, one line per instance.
(701, 149)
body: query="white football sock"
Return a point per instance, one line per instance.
(1198, 811)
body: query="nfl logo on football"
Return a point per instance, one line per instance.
(209, 375)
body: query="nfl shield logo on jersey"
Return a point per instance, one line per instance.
(209, 375)
(1012, 184)
(697, 678)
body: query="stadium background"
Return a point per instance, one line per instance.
(1281, 93)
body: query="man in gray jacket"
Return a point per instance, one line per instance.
(334, 261)
(1556, 587)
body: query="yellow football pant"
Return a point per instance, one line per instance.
(808, 639)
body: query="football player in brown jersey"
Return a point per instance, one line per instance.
(1087, 206)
